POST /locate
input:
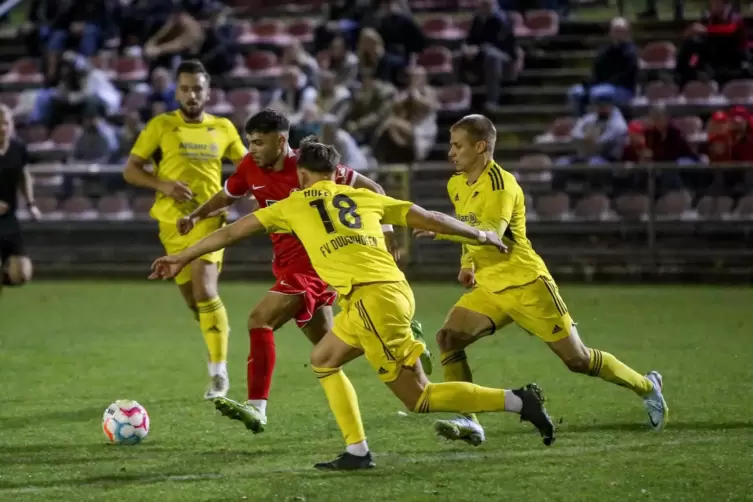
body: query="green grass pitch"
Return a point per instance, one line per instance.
(68, 349)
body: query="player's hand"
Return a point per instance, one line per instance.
(176, 190)
(34, 212)
(492, 239)
(467, 277)
(186, 224)
(393, 246)
(424, 234)
(167, 267)
(4, 206)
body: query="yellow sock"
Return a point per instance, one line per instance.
(456, 369)
(607, 367)
(215, 328)
(343, 402)
(460, 397)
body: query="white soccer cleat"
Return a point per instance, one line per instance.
(656, 406)
(218, 387)
(460, 428)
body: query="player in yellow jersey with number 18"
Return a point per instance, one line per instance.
(186, 147)
(341, 229)
(514, 287)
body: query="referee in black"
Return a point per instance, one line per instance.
(14, 177)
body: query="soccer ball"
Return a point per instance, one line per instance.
(125, 422)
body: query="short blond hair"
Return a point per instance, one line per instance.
(478, 128)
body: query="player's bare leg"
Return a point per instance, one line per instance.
(319, 325)
(461, 328)
(581, 359)
(214, 324)
(270, 314)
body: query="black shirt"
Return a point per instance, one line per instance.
(12, 165)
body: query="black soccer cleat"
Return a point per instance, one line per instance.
(347, 462)
(533, 411)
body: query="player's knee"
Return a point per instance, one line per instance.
(258, 320)
(321, 358)
(203, 293)
(450, 339)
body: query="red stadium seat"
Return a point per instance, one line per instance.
(263, 63)
(658, 56)
(454, 97)
(270, 31)
(243, 98)
(65, 135)
(436, 60)
(134, 101)
(302, 30)
(674, 205)
(739, 91)
(699, 93)
(25, 71)
(592, 208)
(114, 207)
(714, 208)
(542, 23)
(632, 207)
(132, 69)
(553, 206)
(441, 27)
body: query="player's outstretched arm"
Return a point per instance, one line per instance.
(168, 267)
(438, 223)
(217, 205)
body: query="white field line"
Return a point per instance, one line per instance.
(394, 460)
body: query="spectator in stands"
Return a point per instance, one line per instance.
(338, 59)
(88, 22)
(161, 97)
(715, 48)
(44, 17)
(294, 54)
(180, 35)
(219, 50)
(668, 144)
(294, 94)
(403, 38)
(491, 50)
(373, 58)
(98, 142)
(636, 149)
(600, 138)
(730, 140)
(342, 19)
(95, 84)
(718, 147)
(615, 70)
(351, 154)
(368, 108)
(141, 19)
(410, 130)
(331, 97)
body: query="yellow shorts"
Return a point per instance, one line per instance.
(536, 307)
(376, 318)
(174, 243)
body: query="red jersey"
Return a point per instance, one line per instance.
(268, 187)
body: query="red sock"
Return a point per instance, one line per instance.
(261, 362)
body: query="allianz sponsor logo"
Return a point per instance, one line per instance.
(198, 150)
(469, 218)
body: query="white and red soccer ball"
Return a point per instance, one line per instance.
(125, 422)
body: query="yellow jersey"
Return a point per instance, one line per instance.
(187, 152)
(493, 200)
(341, 229)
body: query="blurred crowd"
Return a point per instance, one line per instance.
(713, 54)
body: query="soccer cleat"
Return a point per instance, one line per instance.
(249, 414)
(533, 411)
(656, 406)
(218, 387)
(462, 428)
(347, 462)
(418, 333)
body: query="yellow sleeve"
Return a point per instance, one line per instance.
(465, 258)
(395, 210)
(148, 140)
(235, 150)
(273, 218)
(503, 205)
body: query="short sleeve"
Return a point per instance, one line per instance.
(236, 185)
(395, 210)
(235, 149)
(273, 218)
(345, 175)
(148, 140)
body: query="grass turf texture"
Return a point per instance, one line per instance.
(69, 349)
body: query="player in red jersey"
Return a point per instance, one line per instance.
(269, 173)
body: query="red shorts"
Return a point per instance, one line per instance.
(313, 290)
